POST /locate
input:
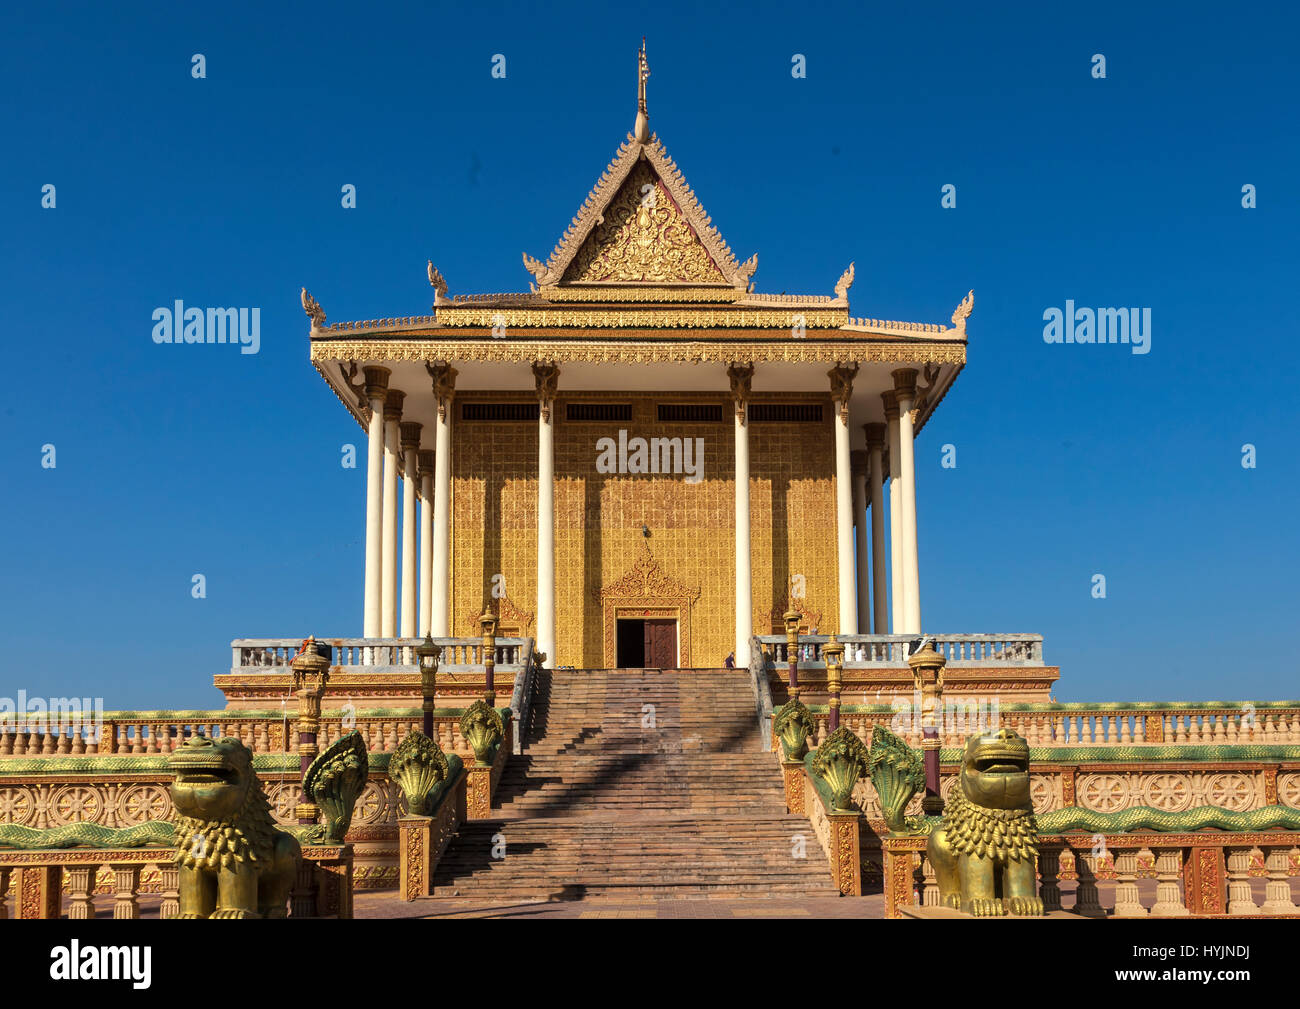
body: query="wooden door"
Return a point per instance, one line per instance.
(661, 644)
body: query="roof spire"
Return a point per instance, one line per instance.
(642, 116)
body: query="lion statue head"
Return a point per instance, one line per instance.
(995, 770)
(989, 810)
(222, 816)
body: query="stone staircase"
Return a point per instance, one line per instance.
(638, 784)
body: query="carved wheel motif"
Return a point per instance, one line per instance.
(284, 797)
(373, 803)
(1169, 792)
(76, 804)
(146, 802)
(1232, 791)
(1288, 790)
(1103, 792)
(1041, 793)
(16, 805)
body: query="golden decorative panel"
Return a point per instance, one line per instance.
(599, 519)
(646, 591)
(643, 237)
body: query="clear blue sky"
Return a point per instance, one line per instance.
(1072, 460)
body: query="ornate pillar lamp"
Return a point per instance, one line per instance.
(833, 653)
(489, 624)
(927, 677)
(427, 655)
(792, 650)
(310, 675)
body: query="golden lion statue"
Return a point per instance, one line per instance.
(234, 861)
(983, 853)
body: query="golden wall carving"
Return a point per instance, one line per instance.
(643, 237)
(599, 518)
(647, 592)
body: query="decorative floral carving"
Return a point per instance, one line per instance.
(643, 237)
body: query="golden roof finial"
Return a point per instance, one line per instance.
(642, 116)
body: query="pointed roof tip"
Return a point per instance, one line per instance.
(642, 131)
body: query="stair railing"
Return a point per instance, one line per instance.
(762, 692)
(521, 699)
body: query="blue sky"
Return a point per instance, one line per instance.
(1072, 460)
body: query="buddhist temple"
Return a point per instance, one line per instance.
(644, 458)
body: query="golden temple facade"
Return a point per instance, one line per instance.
(640, 444)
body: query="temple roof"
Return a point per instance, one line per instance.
(642, 255)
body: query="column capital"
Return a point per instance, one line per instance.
(376, 381)
(741, 377)
(890, 399)
(424, 463)
(859, 460)
(841, 377)
(905, 382)
(546, 379)
(876, 434)
(410, 435)
(444, 384)
(393, 404)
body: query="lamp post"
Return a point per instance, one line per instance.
(792, 650)
(489, 623)
(833, 653)
(310, 675)
(427, 655)
(927, 677)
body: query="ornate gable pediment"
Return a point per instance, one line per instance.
(512, 620)
(643, 237)
(641, 224)
(647, 581)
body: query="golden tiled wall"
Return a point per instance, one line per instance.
(598, 520)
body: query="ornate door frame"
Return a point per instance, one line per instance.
(645, 592)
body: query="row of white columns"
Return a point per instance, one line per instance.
(862, 572)
(885, 595)
(401, 597)
(393, 451)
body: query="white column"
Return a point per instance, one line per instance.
(905, 386)
(741, 380)
(410, 434)
(425, 472)
(895, 521)
(546, 378)
(444, 385)
(392, 445)
(376, 391)
(861, 542)
(842, 387)
(880, 599)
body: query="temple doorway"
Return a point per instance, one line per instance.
(646, 644)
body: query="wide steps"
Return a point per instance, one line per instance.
(603, 804)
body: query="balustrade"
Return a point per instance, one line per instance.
(41, 878)
(1123, 860)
